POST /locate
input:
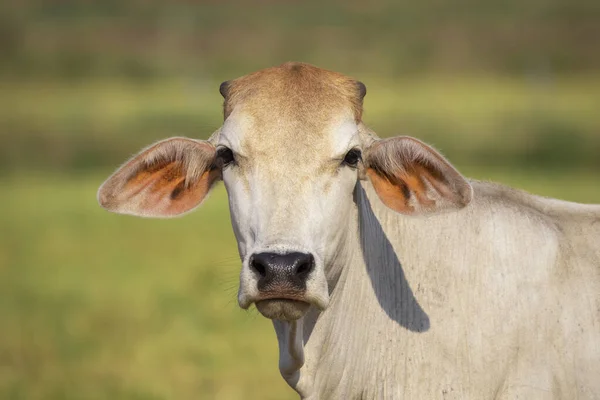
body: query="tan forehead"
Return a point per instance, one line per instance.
(294, 93)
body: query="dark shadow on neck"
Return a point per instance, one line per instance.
(385, 270)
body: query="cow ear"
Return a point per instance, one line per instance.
(166, 179)
(412, 178)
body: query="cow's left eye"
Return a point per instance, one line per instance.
(225, 156)
(352, 157)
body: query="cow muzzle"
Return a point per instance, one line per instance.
(280, 285)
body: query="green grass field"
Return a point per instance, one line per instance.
(101, 306)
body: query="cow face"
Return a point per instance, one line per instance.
(291, 152)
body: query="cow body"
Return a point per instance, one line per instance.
(387, 274)
(500, 300)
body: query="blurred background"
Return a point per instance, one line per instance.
(100, 306)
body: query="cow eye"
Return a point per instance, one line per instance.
(225, 156)
(353, 157)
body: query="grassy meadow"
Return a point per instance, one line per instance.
(96, 306)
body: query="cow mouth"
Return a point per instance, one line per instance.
(282, 309)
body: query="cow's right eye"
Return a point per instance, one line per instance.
(225, 156)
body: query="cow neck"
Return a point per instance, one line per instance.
(293, 336)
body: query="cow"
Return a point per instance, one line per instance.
(386, 273)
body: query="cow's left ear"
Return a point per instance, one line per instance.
(412, 178)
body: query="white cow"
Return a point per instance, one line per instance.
(387, 274)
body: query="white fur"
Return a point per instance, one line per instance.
(288, 216)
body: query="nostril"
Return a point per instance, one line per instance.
(305, 268)
(258, 267)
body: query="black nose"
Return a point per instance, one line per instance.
(290, 270)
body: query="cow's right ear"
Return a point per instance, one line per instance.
(167, 179)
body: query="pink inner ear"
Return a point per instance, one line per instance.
(168, 178)
(412, 178)
(411, 191)
(164, 192)
(394, 193)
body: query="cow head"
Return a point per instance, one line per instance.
(291, 152)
